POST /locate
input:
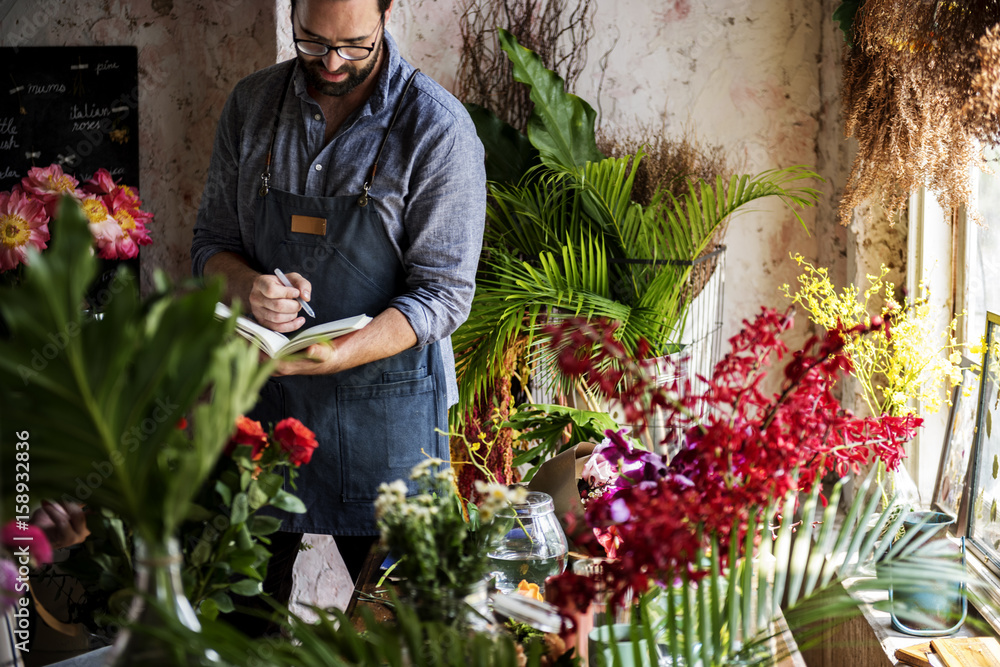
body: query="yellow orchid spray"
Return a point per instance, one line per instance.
(911, 361)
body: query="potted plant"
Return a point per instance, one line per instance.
(564, 237)
(715, 546)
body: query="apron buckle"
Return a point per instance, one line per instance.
(363, 199)
(265, 181)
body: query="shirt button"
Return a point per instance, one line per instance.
(319, 167)
(318, 117)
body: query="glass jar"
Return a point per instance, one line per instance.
(534, 546)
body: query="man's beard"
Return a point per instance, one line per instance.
(355, 76)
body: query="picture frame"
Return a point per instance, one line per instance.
(982, 530)
(951, 485)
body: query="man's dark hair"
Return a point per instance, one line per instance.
(382, 6)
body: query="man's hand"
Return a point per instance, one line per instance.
(274, 306)
(387, 334)
(317, 359)
(64, 523)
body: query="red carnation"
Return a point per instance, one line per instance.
(250, 433)
(295, 439)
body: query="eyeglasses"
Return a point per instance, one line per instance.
(320, 49)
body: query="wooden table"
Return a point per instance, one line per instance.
(366, 586)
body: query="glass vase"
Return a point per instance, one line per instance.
(533, 547)
(467, 606)
(158, 604)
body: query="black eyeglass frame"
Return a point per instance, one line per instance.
(339, 49)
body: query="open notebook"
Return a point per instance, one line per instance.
(275, 344)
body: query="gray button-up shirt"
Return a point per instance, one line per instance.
(429, 190)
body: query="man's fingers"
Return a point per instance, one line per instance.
(271, 288)
(283, 326)
(274, 305)
(77, 517)
(304, 286)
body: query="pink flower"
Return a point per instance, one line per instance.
(49, 185)
(109, 234)
(17, 535)
(101, 183)
(598, 471)
(23, 225)
(8, 585)
(610, 539)
(123, 204)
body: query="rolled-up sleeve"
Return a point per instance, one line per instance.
(444, 219)
(217, 228)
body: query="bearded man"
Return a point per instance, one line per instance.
(363, 181)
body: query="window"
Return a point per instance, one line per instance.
(930, 259)
(981, 289)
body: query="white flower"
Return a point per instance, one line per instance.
(423, 500)
(598, 471)
(422, 469)
(495, 497)
(390, 497)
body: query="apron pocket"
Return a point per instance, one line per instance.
(307, 257)
(383, 428)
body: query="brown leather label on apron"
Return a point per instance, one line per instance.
(304, 224)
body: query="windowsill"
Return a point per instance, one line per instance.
(891, 639)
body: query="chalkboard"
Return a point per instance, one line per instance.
(76, 106)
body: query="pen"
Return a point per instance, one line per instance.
(284, 281)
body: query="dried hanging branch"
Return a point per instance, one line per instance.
(985, 101)
(557, 30)
(910, 99)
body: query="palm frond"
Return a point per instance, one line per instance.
(568, 240)
(510, 303)
(689, 222)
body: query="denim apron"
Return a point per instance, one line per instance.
(374, 422)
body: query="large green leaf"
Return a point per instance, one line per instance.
(544, 426)
(101, 398)
(509, 154)
(561, 125)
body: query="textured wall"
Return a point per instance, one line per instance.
(190, 56)
(746, 76)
